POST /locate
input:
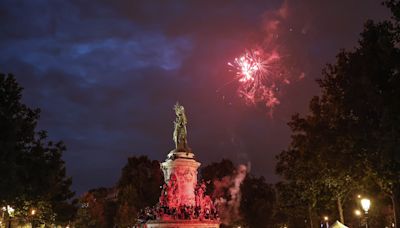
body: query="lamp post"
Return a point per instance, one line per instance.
(358, 215)
(10, 213)
(326, 219)
(33, 213)
(366, 204)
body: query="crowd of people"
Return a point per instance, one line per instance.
(182, 212)
(169, 209)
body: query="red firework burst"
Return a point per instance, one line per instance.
(258, 74)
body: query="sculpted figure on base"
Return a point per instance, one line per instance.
(180, 133)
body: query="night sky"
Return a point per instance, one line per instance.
(106, 74)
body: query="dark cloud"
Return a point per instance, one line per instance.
(107, 73)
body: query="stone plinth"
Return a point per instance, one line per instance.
(181, 167)
(182, 224)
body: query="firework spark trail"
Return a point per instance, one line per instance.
(258, 76)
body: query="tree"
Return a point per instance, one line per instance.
(98, 208)
(138, 187)
(356, 117)
(145, 176)
(127, 210)
(368, 81)
(258, 202)
(319, 150)
(216, 171)
(90, 214)
(293, 209)
(31, 167)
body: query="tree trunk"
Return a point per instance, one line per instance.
(396, 205)
(340, 209)
(310, 217)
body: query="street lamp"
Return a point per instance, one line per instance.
(326, 219)
(366, 204)
(33, 213)
(10, 211)
(358, 214)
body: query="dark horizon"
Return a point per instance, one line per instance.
(106, 75)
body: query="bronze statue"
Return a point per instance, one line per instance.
(180, 133)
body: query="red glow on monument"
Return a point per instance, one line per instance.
(183, 202)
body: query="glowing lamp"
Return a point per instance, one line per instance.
(10, 210)
(365, 204)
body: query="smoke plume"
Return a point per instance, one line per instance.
(227, 194)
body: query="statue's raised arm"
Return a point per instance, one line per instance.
(180, 133)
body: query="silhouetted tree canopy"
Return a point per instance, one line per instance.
(138, 187)
(257, 204)
(216, 171)
(352, 131)
(32, 171)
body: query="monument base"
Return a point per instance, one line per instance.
(182, 224)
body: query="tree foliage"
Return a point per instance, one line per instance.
(140, 181)
(216, 171)
(353, 129)
(98, 208)
(258, 202)
(31, 167)
(137, 188)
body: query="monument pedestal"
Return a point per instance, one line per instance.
(182, 168)
(182, 224)
(183, 202)
(182, 193)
